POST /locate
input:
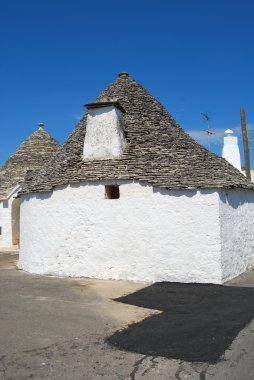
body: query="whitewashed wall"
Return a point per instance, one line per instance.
(5, 223)
(146, 235)
(104, 133)
(231, 150)
(237, 232)
(6, 220)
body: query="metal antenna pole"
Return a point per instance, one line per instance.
(208, 131)
(208, 134)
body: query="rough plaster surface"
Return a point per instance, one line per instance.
(148, 234)
(231, 151)
(237, 232)
(6, 219)
(104, 133)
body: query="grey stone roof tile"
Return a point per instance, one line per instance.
(158, 151)
(27, 160)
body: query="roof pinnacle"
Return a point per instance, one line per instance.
(123, 74)
(229, 132)
(40, 125)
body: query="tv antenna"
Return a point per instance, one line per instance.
(208, 131)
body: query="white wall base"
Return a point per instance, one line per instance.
(237, 232)
(147, 235)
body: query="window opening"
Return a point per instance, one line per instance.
(112, 192)
(5, 204)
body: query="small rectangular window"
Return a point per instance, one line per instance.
(112, 192)
(0, 230)
(5, 204)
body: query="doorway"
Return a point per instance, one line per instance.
(15, 220)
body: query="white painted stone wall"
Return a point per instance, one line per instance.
(145, 235)
(5, 223)
(231, 150)
(237, 232)
(6, 219)
(104, 133)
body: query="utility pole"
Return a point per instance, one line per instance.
(245, 143)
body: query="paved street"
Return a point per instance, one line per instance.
(53, 328)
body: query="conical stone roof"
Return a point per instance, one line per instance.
(27, 160)
(158, 151)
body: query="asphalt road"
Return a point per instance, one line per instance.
(53, 328)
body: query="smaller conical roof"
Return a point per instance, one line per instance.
(30, 156)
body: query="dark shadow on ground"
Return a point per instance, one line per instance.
(198, 323)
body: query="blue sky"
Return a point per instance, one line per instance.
(193, 56)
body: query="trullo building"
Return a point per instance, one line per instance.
(27, 160)
(131, 196)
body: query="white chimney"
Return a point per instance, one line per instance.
(231, 149)
(105, 137)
